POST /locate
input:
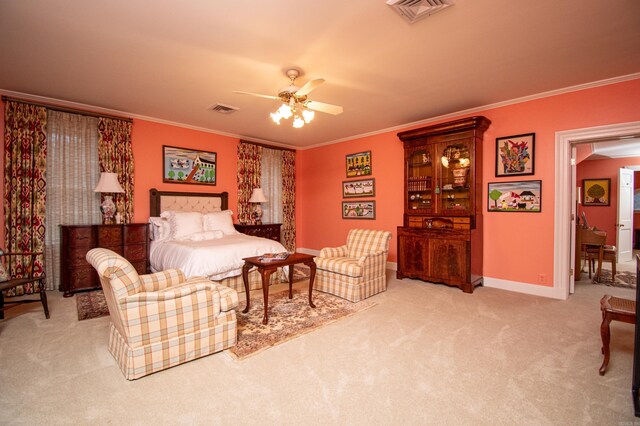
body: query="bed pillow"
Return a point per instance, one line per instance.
(206, 235)
(219, 221)
(160, 228)
(183, 224)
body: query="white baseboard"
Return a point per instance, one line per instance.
(532, 289)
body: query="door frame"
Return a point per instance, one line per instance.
(563, 199)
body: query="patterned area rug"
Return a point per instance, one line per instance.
(91, 304)
(288, 318)
(623, 279)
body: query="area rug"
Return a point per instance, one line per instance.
(623, 279)
(288, 319)
(91, 304)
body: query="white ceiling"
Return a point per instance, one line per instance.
(171, 60)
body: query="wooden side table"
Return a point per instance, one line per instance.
(264, 230)
(267, 268)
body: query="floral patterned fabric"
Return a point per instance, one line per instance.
(25, 164)
(249, 170)
(116, 156)
(289, 200)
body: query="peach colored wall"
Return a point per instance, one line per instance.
(147, 140)
(517, 246)
(603, 217)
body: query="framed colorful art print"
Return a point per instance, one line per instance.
(181, 165)
(596, 192)
(359, 164)
(515, 155)
(359, 210)
(518, 196)
(358, 188)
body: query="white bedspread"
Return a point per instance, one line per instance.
(217, 259)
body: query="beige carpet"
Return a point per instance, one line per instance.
(425, 354)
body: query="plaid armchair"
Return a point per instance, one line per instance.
(356, 270)
(161, 320)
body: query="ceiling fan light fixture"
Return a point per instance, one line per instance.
(308, 115)
(298, 122)
(285, 111)
(276, 117)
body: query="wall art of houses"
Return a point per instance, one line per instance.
(182, 165)
(359, 210)
(521, 196)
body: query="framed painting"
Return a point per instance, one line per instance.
(359, 210)
(181, 165)
(517, 196)
(515, 155)
(359, 164)
(596, 192)
(358, 188)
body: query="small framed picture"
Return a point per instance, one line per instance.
(519, 196)
(181, 165)
(359, 164)
(596, 192)
(515, 155)
(358, 188)
(359, 210)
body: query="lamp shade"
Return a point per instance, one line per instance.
(258, 196)
(108, 183)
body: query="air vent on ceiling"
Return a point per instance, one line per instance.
(414, 10)
(224, 109)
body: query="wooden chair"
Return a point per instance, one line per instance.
(613, 309)
(17, 269)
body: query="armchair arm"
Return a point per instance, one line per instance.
(334, 251)
(374, 264)
(161, 280)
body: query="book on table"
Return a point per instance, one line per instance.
(273, 257)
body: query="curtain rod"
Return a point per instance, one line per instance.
(264, 145)
(69, 110)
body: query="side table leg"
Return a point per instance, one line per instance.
(312, 276)
(245, 279)
(291, 281)
(605, 333)
(266, 273)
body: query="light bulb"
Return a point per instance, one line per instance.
(308, 115)
(298, 122)
(285, 111)
(276, 117)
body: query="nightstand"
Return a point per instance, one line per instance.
(264, 230)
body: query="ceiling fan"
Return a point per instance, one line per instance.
(295, 102)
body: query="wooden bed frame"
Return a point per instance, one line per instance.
(156, 199)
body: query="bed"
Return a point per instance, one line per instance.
(194, 232)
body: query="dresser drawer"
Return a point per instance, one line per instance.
(81, 237)
(109, 236)
(140, 266)
(134, 234)
(134, 252)
(83, 278)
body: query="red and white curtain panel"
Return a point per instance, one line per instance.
(25, 162)
(249, 172)
(289, 200)
(116, 156)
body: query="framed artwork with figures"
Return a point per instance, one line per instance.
(515, 155)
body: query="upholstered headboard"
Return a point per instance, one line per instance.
(187, 201)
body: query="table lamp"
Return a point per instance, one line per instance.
(257, 197)
(108, 184)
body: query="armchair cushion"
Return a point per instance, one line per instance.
(340, 265)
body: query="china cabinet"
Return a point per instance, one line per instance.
(440, 239)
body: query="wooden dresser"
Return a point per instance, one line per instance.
(264, 230)
(130, 241)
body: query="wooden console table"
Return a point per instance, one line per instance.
(267, 268)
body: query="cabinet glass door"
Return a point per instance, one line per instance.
(454, 185)
(420, 179)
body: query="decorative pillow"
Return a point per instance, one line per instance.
(4, 276)
(183, 224)
(206, 235)
(221, 221)
(160, 228)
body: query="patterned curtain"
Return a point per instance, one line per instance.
(25, 155)
(289, 200)
(249, 159)
(116, 156)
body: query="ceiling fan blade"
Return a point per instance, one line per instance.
(309, 86)
(322, 107)
(258, 95)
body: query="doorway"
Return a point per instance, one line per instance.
(564, 223)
